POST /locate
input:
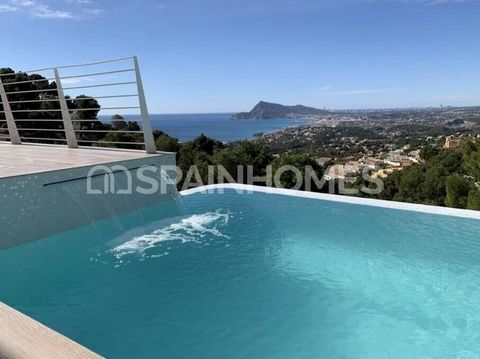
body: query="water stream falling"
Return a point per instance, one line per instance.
(171, 187)
(97, 206)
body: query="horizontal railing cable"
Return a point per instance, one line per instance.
(113, 142)
(43, 139)
(100, 85)
(101, 97)
(74, 88)
(41, 129)
(73, 99)
(97, 74)
(35, 101)
(95, 120)
(78, 109)
(108, 131)
(60, 120)
(30, 91)
(105, 108)
(39, 120)
(28, 81)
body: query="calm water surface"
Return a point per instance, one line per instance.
(257, 276)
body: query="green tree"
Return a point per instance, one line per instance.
(457, 188)
(473, 201)
(128, 140)
(85, 119)
(391, 186)
(243, 154)
(119, 123)
(301, 161)
(166, 143)
(197, 153)
(450, 160)
(410, 186)
(471, 156)
(427, 152)
(433, 187)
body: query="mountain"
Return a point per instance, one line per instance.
(268, 110)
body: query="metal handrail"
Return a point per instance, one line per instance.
(72, 135)
(68, 77)
(71, 66)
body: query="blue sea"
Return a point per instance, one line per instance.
(219, 126)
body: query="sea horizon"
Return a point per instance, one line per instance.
(219, 126)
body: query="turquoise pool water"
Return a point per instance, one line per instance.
(257, 276)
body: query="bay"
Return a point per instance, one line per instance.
(219, 126)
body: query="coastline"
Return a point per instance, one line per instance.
(219, 126)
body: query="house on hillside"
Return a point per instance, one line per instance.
(451, 143)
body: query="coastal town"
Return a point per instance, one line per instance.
(381, 141)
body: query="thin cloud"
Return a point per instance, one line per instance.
(8, 8)
(42, 9)
(442, 2)
(423, 2)
(353, 92)
(93, 11)
(39, 9)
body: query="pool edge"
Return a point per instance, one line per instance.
(412, 207)
(23, 337)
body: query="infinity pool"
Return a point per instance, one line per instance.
(257, 276)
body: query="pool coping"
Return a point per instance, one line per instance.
(422, 208)
(24, 337)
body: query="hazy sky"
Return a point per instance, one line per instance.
(224, 56)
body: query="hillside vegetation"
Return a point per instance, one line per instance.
(447, 178)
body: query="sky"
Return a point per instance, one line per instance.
(225, 55)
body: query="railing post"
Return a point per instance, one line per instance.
(146, 125)
(67, 119)
(12, 127)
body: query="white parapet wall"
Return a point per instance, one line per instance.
(37, 205)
